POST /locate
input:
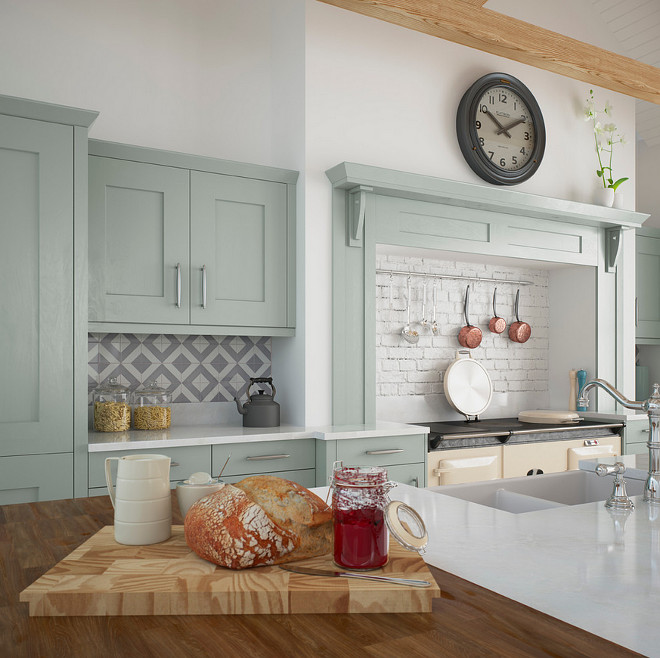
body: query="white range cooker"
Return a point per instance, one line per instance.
(532, 443)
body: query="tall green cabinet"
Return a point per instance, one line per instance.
(43, 274)
(647, 301)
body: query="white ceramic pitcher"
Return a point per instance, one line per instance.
(143, 503)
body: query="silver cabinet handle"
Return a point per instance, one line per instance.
(264, 457)
(203, 286)
(636, 310)
(415, 482)
(175, 464)
(394, 451)
(178, 285)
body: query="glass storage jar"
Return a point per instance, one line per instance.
(112, 412)
(364, 517)
(152, 407)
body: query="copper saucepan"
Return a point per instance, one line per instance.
(519, 332)
(497, 324)
(469, 336)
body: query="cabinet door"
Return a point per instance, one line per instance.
(648, 292)
(238, 251)
(635, 437)
(31, 478)
(36, 275)
(138, 242)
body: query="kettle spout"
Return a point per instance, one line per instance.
(241, 409)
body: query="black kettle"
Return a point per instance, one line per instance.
(260, 410)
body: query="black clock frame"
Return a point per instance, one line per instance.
(468, 139)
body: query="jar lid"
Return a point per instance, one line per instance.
(406, 526)
(151, 388)
(112, 385)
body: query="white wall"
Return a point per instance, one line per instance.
(383, 95)
(648, 189)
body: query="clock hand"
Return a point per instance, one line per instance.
(502, 129)
(511, 125)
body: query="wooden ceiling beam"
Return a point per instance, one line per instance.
(467, 23)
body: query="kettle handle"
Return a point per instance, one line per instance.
(108, 478)
(261, 380)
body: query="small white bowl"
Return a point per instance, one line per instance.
(187, 493)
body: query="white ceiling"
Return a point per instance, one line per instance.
(635, 24)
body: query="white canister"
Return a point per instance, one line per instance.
(188, 492)
(142, 501)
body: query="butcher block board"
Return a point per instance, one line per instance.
(102, 577)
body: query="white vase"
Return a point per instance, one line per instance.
(604, 196)
(618, 200)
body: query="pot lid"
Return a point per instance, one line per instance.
(468, 386)
(548, 416)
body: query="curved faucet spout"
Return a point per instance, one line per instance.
(583, 398)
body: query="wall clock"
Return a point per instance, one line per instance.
(500, 129)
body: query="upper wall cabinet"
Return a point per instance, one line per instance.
(647, 302)
(186, 244)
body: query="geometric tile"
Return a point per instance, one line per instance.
(193, 368)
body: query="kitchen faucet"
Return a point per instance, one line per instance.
(652, 408)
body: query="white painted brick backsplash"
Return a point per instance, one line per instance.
(406, 370)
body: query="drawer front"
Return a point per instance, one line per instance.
(577, 451)
(31, 478)
(468, 465)
(382, 451)
(636, 432)
(185, 461)
(305, 477)
(412, 474)
(263, 457)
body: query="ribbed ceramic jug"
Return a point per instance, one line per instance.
(142, 500)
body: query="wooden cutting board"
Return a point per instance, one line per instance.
(102, 577)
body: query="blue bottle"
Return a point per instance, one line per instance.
(581, 380)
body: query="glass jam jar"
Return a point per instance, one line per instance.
(112, 412)
(363, 517)
(152, 407)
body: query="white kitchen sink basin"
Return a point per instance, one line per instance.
(537, 492)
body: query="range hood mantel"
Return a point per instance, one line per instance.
(390, 182)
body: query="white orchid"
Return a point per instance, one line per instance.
(591, 114)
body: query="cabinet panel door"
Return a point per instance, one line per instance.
(31, 478)
(648, 293)
(138, 234)
(238, 251)
(36, 274)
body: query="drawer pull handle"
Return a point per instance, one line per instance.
(204, 286)
(385, 452)
(265, 457)
(647, 430)
(175, 464)
(415, 482)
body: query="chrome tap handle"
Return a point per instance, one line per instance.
(619, 497)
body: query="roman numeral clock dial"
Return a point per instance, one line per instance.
(500, 129)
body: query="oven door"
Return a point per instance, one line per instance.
(464, 465)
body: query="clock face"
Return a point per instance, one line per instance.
(500, 129)
(505, 129)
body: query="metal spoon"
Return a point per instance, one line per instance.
(408, 333)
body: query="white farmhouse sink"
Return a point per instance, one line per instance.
(537, 492)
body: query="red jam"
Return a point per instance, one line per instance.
(358, 503)
(360, 538)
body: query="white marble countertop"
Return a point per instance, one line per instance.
(581, 564)
(187, 435)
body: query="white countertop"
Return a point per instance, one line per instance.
(186, 435)
(580, 564)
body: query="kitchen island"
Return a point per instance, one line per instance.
(468, 620)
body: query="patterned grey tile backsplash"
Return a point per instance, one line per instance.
(192, 368)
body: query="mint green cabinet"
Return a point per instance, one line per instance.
(404, 457)
(647, 303)
(186, 244)
(635, 436)
(138, 242)
(43, 270)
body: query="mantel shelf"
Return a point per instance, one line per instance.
(390, 182)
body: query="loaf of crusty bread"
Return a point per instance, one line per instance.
(259, 520)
